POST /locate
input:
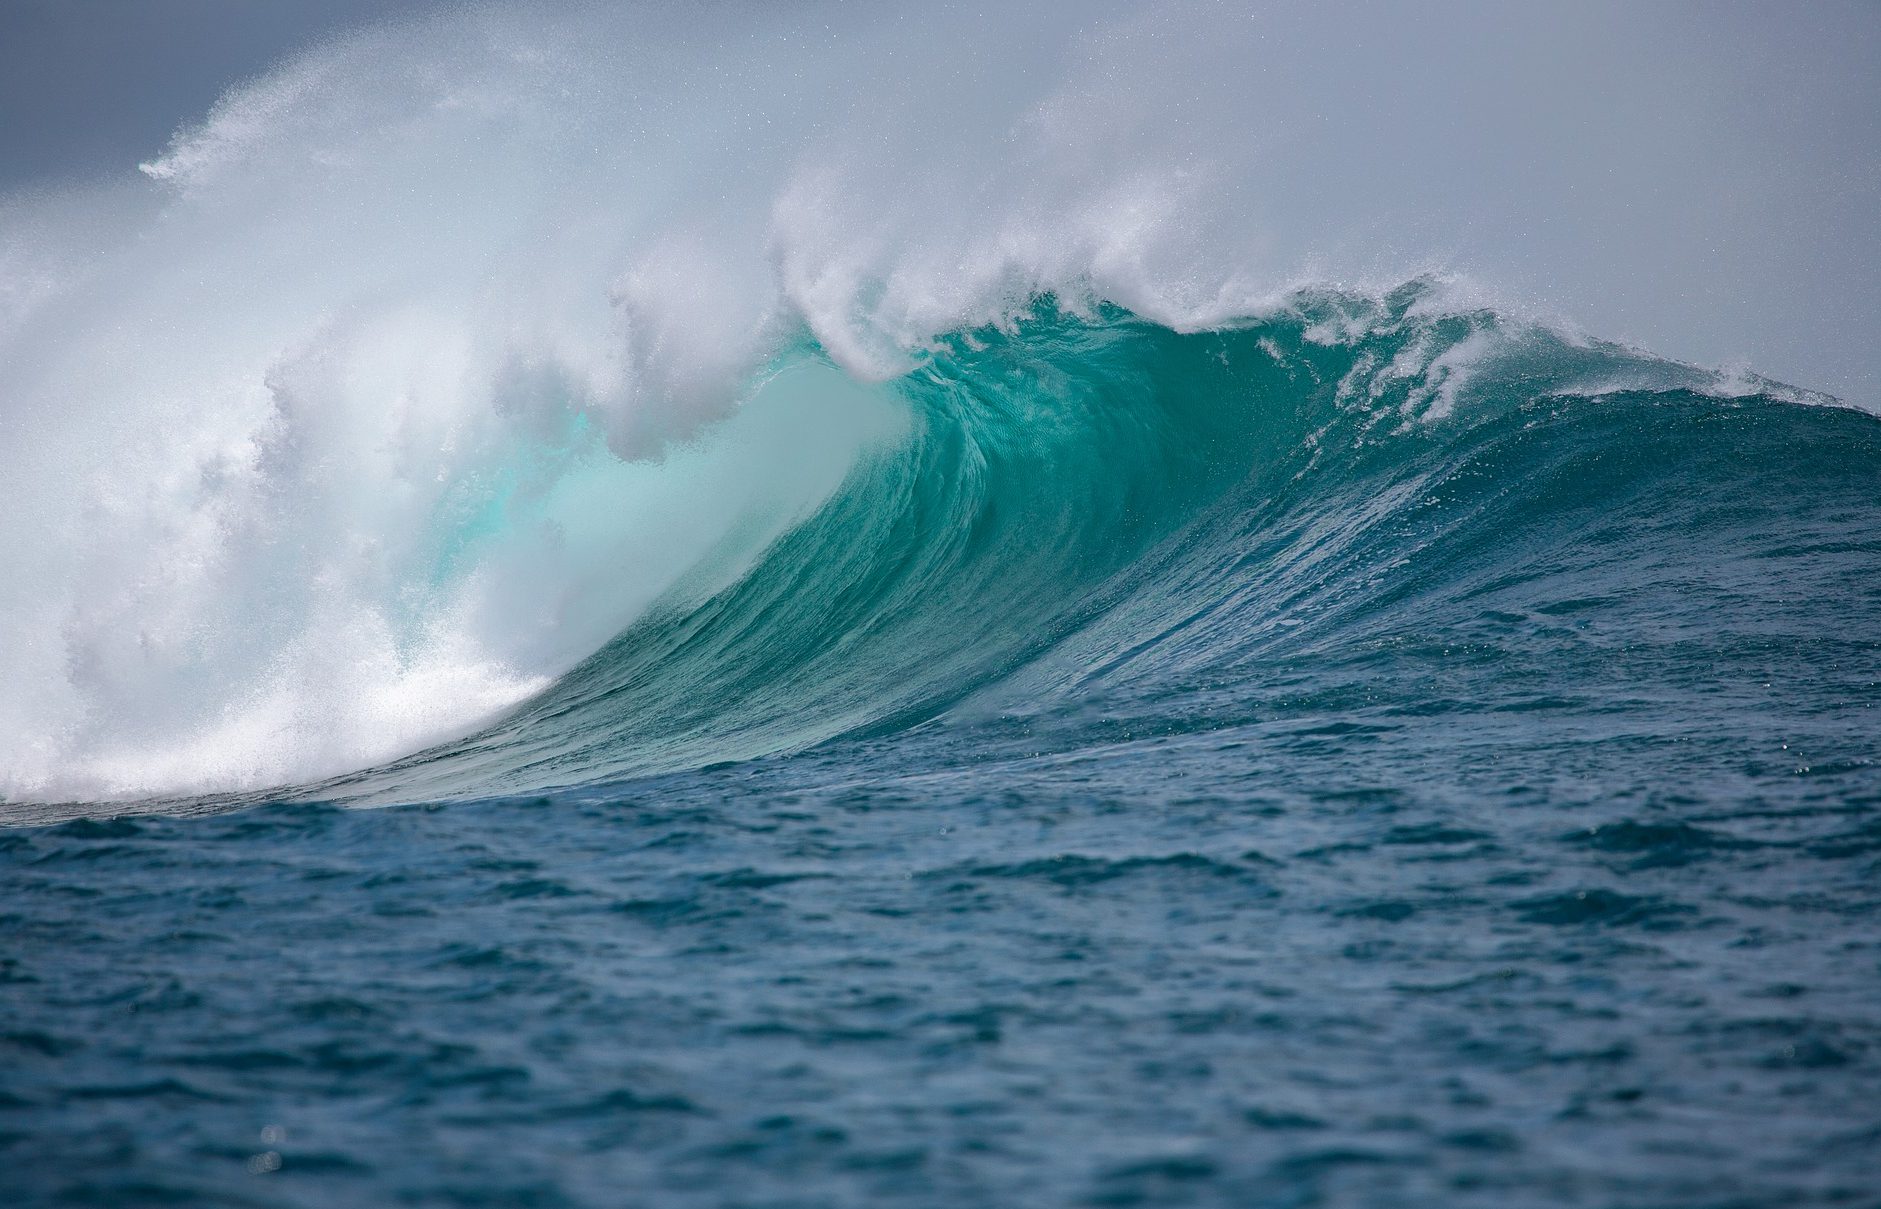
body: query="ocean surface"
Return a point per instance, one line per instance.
(1368, 752)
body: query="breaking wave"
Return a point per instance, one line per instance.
(452, 414)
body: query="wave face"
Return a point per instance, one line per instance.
(1066, 506)
(1079, 510)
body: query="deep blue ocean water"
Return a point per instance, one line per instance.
(1367, 756)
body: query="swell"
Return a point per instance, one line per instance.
(1090, 507)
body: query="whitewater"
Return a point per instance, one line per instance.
(815, 604)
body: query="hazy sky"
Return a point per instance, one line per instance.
(1700, 178)
(99, 84)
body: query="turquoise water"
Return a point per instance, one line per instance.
(1366, 754)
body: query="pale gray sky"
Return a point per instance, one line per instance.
(97, 85)
(1697, 176)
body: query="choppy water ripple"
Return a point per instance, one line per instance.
(1045, 980)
